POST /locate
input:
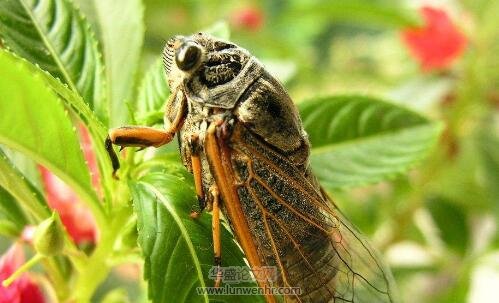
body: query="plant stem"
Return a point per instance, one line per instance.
(22, 269)
(97, 268)
(57, 277)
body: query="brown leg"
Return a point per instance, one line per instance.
(218, 154)
(215, 225)
(143, 136)
(138, 136)
(198, 175)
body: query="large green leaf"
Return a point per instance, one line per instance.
(53, 34)
(77, 105)
(359, 140)
(34, 122)
(122, 32)
(97, 130)
(178, 250)
(18, 197)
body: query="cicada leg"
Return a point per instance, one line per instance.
(143, 136)
(135, 136)
(218, 155)
(215, 225)
(197, 173)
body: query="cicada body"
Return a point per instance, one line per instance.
(242, 138)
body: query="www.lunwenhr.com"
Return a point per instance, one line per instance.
(244, 291)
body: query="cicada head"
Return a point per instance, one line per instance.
(200, 64)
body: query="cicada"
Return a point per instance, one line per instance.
(241, 137)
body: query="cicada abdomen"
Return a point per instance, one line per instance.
(241, 136)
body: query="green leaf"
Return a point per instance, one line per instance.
(25, 165)
(451, 221)
(360, 140)
(163, 162)
(10, 210)
(153, 94)
(53, 34)
(9, 229)
(19, 195)
(178, 250)
(97, 130)
(122, 31)
(34, 122)
(77, 105)
(488, 147)
(71, 98)
(358, 11)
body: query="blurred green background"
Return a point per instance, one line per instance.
(436, 226)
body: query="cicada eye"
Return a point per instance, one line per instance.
(187, 55)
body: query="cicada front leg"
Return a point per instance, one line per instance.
(136, 136)
(144, 136)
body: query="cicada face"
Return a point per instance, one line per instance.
(210, 71)
(241, 135)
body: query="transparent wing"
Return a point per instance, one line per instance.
(301, 232)
(365, 278)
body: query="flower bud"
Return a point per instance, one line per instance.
(49, 236)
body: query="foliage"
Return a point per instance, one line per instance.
(410, 156)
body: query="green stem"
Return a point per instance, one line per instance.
(97, 268)
(22, 269)
(57, 277)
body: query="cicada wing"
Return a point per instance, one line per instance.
(299, 231)
(365, 277)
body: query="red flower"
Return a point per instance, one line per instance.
(75, 216)
(23, 289)
(88, 152)
(436, 44)
(248, 18)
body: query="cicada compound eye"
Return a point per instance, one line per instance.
(188, 55)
